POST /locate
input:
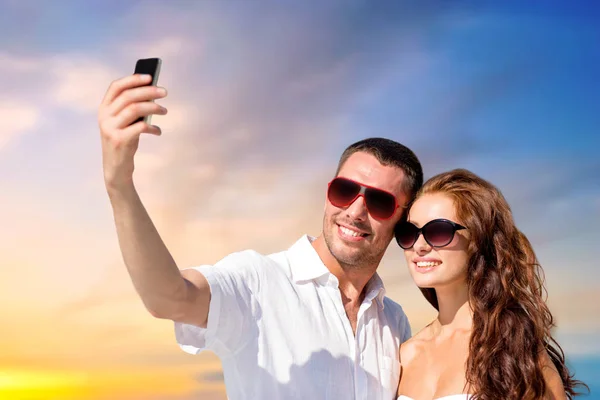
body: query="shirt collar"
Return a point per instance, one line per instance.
(306, 265)
(375, 289)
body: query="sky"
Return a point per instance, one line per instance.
(263, 98)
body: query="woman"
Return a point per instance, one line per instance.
(491, 339)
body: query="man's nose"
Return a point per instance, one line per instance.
(358, 209)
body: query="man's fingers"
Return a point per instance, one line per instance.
(136, 110)
(130, 81)
(119, 138)
(135, 95)
(141, 127)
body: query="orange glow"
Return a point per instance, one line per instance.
(39, 379)
(40, 384)
(97, 385)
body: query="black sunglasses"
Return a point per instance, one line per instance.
(437, 232)
(342, 192)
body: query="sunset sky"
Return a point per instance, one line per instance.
(263, 98)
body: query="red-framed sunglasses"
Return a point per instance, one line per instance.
(341, 192)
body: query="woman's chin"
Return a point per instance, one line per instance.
(439, 283)
(428, 281)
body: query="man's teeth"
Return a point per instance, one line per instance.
(349, 232)
(428, 264)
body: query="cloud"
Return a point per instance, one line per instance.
(10, 63)
(44, 96)
(174, 47)
(16, 118)
(215, 376)
(549, 196)
(254, 99)
(248, 108)
(80, 83)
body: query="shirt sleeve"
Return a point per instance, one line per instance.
(406, 329)
(234, 283)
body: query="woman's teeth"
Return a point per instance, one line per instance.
(427, 264)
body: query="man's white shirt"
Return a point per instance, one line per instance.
(278, 324)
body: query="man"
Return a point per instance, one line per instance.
(310, 322)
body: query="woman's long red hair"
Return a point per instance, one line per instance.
(511, 321)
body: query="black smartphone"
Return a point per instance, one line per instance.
(148, 66)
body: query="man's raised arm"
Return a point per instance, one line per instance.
(165, 291)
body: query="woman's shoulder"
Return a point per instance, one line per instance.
(415, 345)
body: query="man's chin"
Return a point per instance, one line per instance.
(350, 253)
(348, 256)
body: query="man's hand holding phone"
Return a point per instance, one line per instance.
(123, 116)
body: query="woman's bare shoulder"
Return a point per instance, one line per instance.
(415, 345)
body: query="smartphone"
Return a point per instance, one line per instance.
(148, 66)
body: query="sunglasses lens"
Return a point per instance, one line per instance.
(439, 233)
(406, 234)
(342, 192)
(381, 205)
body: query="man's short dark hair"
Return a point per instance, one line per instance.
(389, 152)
